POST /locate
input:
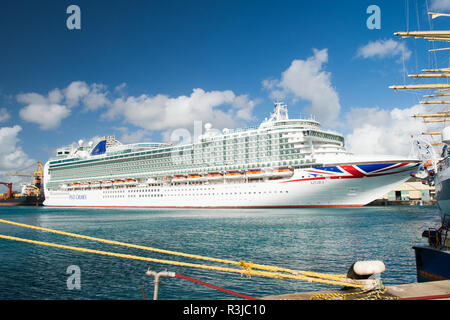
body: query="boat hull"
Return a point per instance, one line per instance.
(23, 201)
(345, 185)
(432, 264)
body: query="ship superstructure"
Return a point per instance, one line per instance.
(280, 163)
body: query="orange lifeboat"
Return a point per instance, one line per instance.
(130, 182)
(179, 178)
(84, 185)
(234, 174)
(282, 172)
(214, 176)
(118, 182)
(95, 184)
(194, 177)
(255, 173)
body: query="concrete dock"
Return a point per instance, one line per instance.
(433, 290)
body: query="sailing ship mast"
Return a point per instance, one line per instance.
(437, 73)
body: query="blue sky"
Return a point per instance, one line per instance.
(141, 69)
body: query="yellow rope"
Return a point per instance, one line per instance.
(370, 294)
(245, 265)
(336, 295)
(184, 264)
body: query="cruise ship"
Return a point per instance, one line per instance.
(281, 163)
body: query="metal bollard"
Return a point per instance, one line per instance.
(157, 280)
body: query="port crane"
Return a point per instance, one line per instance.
(9, 185)
(37, 175)
(20, 173)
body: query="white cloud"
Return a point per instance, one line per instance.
(33, 97)
(120, 89)
(440, 5)
(12, 157)
(96, 98)
(43, 111)
(384, 48)
(92, 96)
(307, 80)
(55, 96)
(162, 112)
(47, 116)
(379, 131)
(133, 137)
(49, 111)
(4, 115)
(75, 92)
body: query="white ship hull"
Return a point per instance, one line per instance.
(345, 185)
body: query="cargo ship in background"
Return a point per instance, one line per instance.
(433, 259)
(281, 163)
(31, 193)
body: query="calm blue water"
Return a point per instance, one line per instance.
(323, 240)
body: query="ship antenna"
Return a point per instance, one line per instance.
(280, 111)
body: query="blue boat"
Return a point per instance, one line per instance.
(433, 260)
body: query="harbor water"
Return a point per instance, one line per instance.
(322, 240)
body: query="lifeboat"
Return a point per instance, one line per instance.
(76, 185)
(179, 178)
(194, 177)
(118, 182)
(85, 185)
(214, 176)
(130, 182)
(256, 174)
(95, 184)
(107, 183)
(282, 172)
(234, 174)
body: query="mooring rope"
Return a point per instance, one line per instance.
(250, 272)
(247, 266)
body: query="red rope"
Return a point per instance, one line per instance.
(440, 296)
(215, 287)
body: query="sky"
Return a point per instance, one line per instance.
(140, 70)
